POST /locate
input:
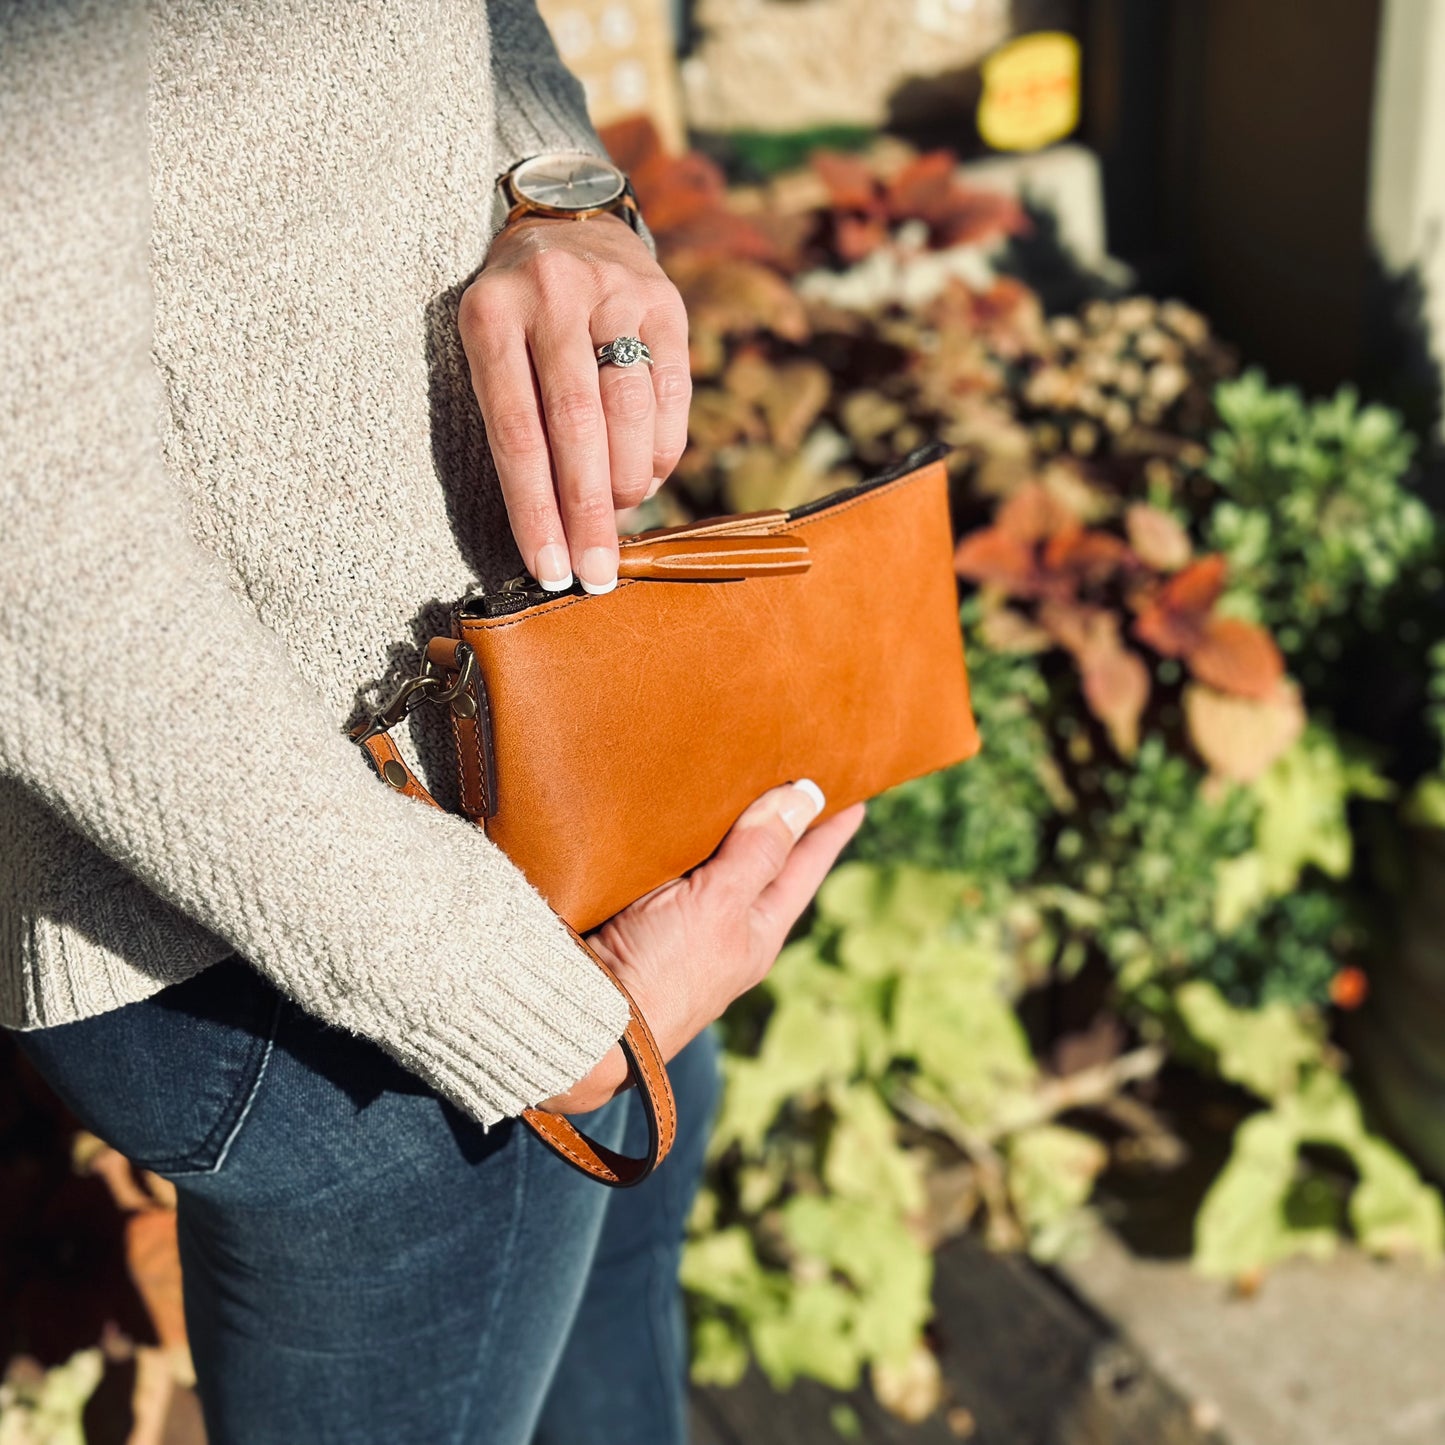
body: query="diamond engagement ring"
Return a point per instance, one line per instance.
(624, 351)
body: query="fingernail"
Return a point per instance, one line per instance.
(797, 813)
(597, 571)
(652, 490)
(552, 569)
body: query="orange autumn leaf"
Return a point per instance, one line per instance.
(1116, 688)
(154, 1264)
(1172, 620)
(1034, 514)
(1088, 557)
(855, 237)
(995, 558)
(850, 181)
(674, 191)
(719, 234)
(928, 189)
(1115, 678)
(631, 142)
(1238, 657)
(918, 186)
(734, 297)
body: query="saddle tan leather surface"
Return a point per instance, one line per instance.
(618, 737)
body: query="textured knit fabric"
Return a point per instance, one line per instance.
(242, 477)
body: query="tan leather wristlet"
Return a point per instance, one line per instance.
(607, 743)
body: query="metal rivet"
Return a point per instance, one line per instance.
(394, 773)
(464, 705)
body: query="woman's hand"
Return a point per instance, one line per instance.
(686, 950)
(551, 292)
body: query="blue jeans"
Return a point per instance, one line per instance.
(364, 1263)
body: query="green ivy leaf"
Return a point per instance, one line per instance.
(1263, 1049)
(719, 1352)
(1303, 817)
(722, 1267)
(49, 1411)
(950, 1015)
(1392, 1210)
(872, 1248)
(865, 1160)
(1251, 1216)
(1426, 805)
(1051, 1174)
(810, 1041)
(1243, 1223)
(814, 1334)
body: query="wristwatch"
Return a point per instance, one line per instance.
(567, 184)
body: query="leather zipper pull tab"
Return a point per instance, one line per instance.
(716, 557)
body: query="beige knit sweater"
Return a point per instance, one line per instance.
(242, 476)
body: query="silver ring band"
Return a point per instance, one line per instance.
(624, 351)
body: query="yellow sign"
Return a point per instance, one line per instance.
(1030, 92)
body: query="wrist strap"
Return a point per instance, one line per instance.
(644, 1060)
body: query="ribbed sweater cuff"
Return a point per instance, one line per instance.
(533, 1032)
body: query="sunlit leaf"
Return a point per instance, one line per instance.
(1157, 538)
(1240, 738)
(850, 181)
(720, 1353)
(864, 1159)
(1051, 1176)
(798, 391)
(1237, 657)
(912, 1390)
(153, 1261)
(1263, 1049)
(1172, 620)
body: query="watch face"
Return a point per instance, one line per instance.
(568, 183)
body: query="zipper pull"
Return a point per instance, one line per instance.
(719, 556)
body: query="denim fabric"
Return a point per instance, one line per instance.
(361, 1261)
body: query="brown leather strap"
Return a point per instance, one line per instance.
(639, 1048)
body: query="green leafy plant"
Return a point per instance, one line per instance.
(1168, 570)
(1313, 514)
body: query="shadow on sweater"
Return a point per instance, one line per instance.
(477, 515)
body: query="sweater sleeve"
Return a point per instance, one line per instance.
(150, 709)
(539, 104)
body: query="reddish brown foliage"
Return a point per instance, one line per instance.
(1230, 654)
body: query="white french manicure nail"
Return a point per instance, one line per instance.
(797, 814)
(652, 490)
(552, 569)
(597, 561)
(808, 786)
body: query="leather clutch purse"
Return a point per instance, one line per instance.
(607, 743)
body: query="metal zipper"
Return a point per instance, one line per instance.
(523, 591)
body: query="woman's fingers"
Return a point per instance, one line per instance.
(573, 446)
(627, 402)
(496, 348)
(577, 433)
(665, 332)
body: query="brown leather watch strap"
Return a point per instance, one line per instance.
(639, 1048)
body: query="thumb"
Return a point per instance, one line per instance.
(757, 846)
